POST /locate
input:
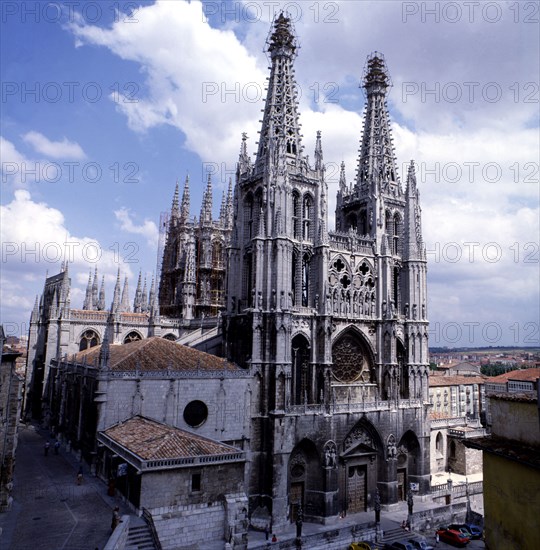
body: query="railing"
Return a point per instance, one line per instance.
(459, 489)
(147, 516)
(167, 463)
(447, 422)
(174, 374)
(361, 406)
(467, 434)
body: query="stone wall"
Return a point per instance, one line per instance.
(465, 461)
(169, 488)
(190, 526)
(228, 402)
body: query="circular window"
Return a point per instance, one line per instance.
(195, 413)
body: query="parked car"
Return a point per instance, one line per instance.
(420, 544)
(455, 538)
(359, 546)
(474, 530)
(462, 528)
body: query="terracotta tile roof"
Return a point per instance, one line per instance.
(156, 354)
(529, 375)
(151, 440)
(438, 381)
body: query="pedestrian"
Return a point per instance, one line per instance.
(266, 531)
(436, 539)
(56, 447)
(274, 538)
(46, 448)
(79, 475)
(115, 518)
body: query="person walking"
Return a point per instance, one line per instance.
(46, 448)
(436, 539)
(79, 475)
(56, 447)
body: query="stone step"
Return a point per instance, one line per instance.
(140, 538)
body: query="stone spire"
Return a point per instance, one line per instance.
(101, 299)
(342, 179)
(376, 160)
(175, 212)
(318, 152)
(413, 248)
(145, 306)
(222, 211)
(184, 209)
(244, 162)
(87, 304)
(137, 302)
(229, 207)
(95, 289)
(115, 306)
(34, 317)
(124, 305)
(152, 299)
(105, 350)
(206, 207)
(280, 128)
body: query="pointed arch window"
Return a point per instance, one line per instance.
(307, 214)
(396, 229)
(296, 214)
(305, 281)
(362, 227)
(248, 217)
(89, 339)
(133, 336)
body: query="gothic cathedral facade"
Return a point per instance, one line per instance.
(333, 325)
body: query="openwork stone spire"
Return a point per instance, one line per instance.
(87, 304)
(280, 129)
(174, 209)
(376, 160)
(116, 295)
(413, 226)
(206, 208)
(101, 300)
(184, 209)
(137, 302)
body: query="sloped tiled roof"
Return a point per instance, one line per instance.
(156, 354)
(443, 380)
(151, 440)
(528, 375)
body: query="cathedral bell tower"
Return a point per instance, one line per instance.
(276, 266)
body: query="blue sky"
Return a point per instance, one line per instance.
(105, 105)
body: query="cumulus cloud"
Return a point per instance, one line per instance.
(33, 235)
(477, 155)
(147, 229)
(64, 149)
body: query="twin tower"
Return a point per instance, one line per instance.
(332, 325)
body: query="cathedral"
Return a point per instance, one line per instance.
(330, 326)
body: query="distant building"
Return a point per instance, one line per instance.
(10, 409)
(457, 406)
(511, 464)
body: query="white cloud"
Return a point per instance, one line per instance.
(34, 235)
(198, 78)
(64, 149)
(147, 229)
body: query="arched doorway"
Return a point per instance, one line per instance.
(305, 481)
(408, 462)
(360, 471)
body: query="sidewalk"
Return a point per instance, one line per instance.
(49, 509)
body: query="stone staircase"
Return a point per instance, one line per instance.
(393, 535)
(140, 538)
